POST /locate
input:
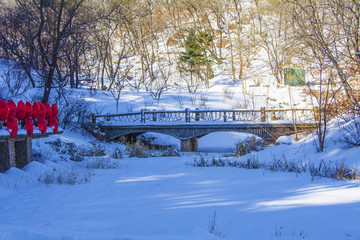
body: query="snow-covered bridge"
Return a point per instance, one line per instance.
(189, 125)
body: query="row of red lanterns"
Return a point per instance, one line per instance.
(28, 114)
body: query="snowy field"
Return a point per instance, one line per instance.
(168, 198)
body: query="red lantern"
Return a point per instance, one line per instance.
(42, 110)
(48, 111)
(29, 126)
(12, 126)
(42, 125)
(12, 107)
(54, 110)
(35, 110)
(54, 124)
(4, 110)
(20, 110)
(28, 109)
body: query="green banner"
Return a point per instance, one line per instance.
(294, 77)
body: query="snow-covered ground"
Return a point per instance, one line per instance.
(168, 198)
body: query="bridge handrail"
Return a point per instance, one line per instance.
(209, 115)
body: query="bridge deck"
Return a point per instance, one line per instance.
(189, 125)
(197, 123)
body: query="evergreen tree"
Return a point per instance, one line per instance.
(195, 59)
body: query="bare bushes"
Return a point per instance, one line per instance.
(102, 163)
(331, 169)
(85, 160)
(248, 145)
(140, 149)
(338, 170)
(352, 136)
(77, 153)
(117, 153)
(74, 111)
(65, 176)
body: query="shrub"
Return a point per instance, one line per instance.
(102, 163)
(352, 137)
(248, 145)
(337, 170)
(64, 176)
(77, 153)
(142, 149)
(170, 152)
(95, 150)
(68, 148)
(74, 111)
(117, 154)
(138, 149)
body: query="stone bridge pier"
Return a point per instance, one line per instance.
(15, 152)
(189, 145)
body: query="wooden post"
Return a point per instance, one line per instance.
(233, 116)
(187, 115)
(7, 154)
(197, 115)
(263, 114)
(142, 116)
(273, 116)
(23, 152)
(224, 116)
(154, 115)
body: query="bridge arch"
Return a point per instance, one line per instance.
(189, 133)
(188, 140)
(198, 135)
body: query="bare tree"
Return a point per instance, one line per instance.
(36, 33)
(161, 85)
(316, 35)
(273, 32)
(118, 84)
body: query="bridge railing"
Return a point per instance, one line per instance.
(187, 115)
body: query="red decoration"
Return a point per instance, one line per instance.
(54, 124)
(4, 110)
(48, 111)
(12, 107)
(28, 109)
(20, 110)
(29, 126)
(42, 110)
(12, 126)
(54, 110)
(42, 125)
(35, 110)
(43, 113)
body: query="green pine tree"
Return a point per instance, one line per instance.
(195, 59)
